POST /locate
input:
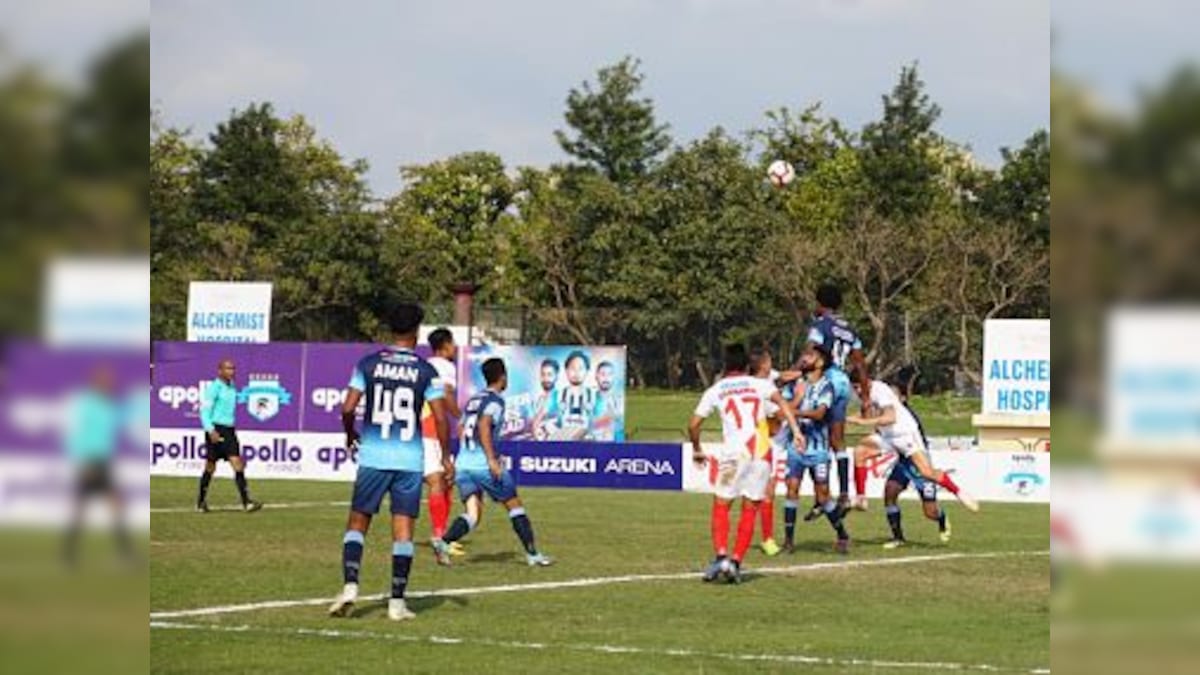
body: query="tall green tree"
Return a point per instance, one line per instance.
(611, 129)
(898, 150)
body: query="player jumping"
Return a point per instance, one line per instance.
(480, 470)
(396, 384)
(896, 431)
(741, 467)
(810, 454)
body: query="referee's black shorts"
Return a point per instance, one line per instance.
(227, 447)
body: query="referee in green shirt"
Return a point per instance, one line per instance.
(217, 408)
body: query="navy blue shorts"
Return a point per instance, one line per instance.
(370, 485)
(904, 472)
(474, 482)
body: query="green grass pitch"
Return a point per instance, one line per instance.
(982, 600)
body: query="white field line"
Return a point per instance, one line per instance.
(595, 648)
(596, 581)
(266, 507)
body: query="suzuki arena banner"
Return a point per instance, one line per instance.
(559, 393)
(229, 311)
(989, 476)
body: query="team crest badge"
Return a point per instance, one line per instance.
(264, 396)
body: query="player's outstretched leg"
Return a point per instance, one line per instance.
(745, 534)
(789, 509)
(891, 496)
(834, 514)
(524, 530)
(921, 461)
(766, 512)
(352, 552)
(934, 512)
(720, 538)
(461, 527)
(402, 557)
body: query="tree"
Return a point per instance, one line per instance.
(244, 178)
(466, 197)
(897, 151)
(1021, 191)
(614, 132)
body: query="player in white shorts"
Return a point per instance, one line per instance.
(441, 343)
(896, 431)
(741, 467)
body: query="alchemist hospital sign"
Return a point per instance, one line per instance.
(1016, 367)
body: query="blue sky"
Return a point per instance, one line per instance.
(409, 82)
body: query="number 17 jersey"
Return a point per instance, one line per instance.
(396, 384)
(742, 402)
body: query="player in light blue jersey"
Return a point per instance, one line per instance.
(811, 453)
(848, 364)
(396, 384)
(480, 470)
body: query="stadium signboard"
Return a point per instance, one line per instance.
(1016, 366)
(229, 311)
(558, 393)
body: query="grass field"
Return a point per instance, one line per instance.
(980, 601)
(662, 415)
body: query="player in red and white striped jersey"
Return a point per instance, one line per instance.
(742, 469)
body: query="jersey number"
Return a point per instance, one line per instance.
(732, 409)
(394, 406)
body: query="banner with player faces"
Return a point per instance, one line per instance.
(557, 393)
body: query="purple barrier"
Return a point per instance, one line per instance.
(38, 383)
(282, 386)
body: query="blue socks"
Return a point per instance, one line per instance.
(402, 555)
(893, 518)
(831, 512)
(352, 550)
(789, 519)
(460, 528)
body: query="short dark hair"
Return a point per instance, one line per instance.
(440, 338)
(577, 354)
(404, 318)
(758, 356)
(826, 355)
(903, 378)
(493, 370)
(605, 364)
(735, 357)
(829, 296)
(551, 363)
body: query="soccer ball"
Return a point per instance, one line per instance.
(780, 173)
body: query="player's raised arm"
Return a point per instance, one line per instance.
(886, 416)
(788, 413)
(858, 371)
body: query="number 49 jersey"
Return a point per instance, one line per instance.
(395, 384)
(742, 402)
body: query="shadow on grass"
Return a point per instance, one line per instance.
(418, 605)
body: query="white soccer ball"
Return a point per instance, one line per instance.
(780, 173)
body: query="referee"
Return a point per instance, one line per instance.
(217, 408)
